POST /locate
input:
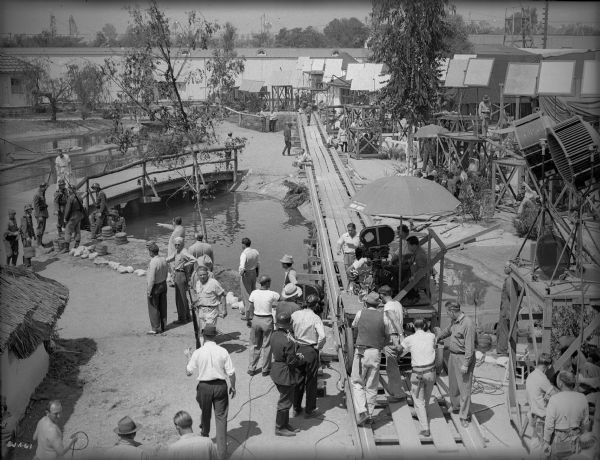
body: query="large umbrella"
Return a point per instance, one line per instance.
(430, 131)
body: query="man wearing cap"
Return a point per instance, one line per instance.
(60, 202)
(539, 389)
(126, 447)
(287, 138)
(290, 274)
(101, 209)
(63, 167)
(74, 213)
(310, 337)
(259, 318)
(284, 373)
(461, 362)
(182, 261)
(190, 446)
(229, 143)
(27, 234)
(567, 417)
(249, 270)
(156, 290)
(11, 238)
(201, 248)
(214, 367)
(49, 436)
(373, 328)
(208, 298)
(40, 211)
(348, 243)
(484, 112)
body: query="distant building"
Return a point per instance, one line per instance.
(13, 93)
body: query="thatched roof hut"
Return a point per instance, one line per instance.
(30, 305)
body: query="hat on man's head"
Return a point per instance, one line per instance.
(486, 98)
(44, 185)
(209, 331)
(283, 318)
(11, 211)
(372, 298)
(202, 268)
(287, 259)
(452, 305)
(291, 290)
(178, 240)
(95, 186)
(127, 426)
(28, 207)
(150, 243)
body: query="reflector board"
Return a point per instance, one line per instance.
(556, 78)
(521, 79)
(479, 72)
(590, 81)
(455, 77)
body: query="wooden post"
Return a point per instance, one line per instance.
(501, 117)
(494, 166)
(235, 164)
(144, 179)
(87, 194)
(440, 290)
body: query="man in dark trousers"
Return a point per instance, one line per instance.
(27, 235)
(214, 367)
(284, 373)
(287, 138)
(461, 362)
(156, 276)
(60, 202)
(11, 238)
(101, 209)
(40, 212)
(73, 216)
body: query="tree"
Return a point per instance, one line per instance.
(41, 85)
(110, 32)
(347, 33)
(410, 38)
(224, 65)
(228, 37)
(300, 38)
(88, 85)
(458, 39)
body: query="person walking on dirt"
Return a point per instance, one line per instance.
(180, 259)
(60, 202)
(308, 112)
(63, 168)
(190, 446)
(201, 248)
(284, 373)
(40, 212)
(126, 447)
(259, 318)
(373, 328)
(156, 290)
(11, 238)
(287, 138)
(49, 436)
(249, 270)
(101, 209)
(214, 367)
(461, 362)
(208, 297)
(74, 214)
(27, 234)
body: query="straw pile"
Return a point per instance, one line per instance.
(107, 231)
(30, 305)
(121, 238)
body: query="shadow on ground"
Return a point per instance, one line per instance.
(240, 435)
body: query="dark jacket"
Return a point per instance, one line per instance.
(40, 207)
(26, 229)
(73, 206)
(285, 360)
(60, 200)
(101, 204)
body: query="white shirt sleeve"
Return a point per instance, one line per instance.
(229, 365)
(242, 261)
(192, 365)
(356, 318)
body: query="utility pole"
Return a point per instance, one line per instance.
(52, 25)
(545, 39)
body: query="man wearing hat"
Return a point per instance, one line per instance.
(214, 367)
(156, 290)
(11, 238)
(484, 112)
(284, 373)
(287, 138)
(181, 260)
(249, 270)
(290, 274)
(259, 317)
(116, 221)
(101, 209)
(229, 143)
(63, 167)
(126, 447)
(289, 297)
(201, 248)
(27, 234)
(60, 202)
(208, 297)
(74, 213)
(373, 328)
(40, 211)
(461, 362)
(310, 337)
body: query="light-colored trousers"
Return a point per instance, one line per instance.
(260, 340)
(421, 386)
(365, 379)
(459, 385)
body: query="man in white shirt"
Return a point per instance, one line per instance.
(214, 367)
(249, 270)
(421, 346)
(539, 389)
(395, 313)
(262, 305)
(190, 446)
(63, 168)
(208, 297)
(348, 243)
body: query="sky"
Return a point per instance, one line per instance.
(32, 16)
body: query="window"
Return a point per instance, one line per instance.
(16, 86)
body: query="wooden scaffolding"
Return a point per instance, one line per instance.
(364, 126)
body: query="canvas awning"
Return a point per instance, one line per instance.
(252, 86)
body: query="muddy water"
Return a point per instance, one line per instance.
(273, 230)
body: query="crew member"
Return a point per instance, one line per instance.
(308, 112)
(249, 270)
(539, 389)
(229, 143)
(214, 367)
(262, 305)
(60, 202)
(343, 137)
(11, 238)
(348, 243)
(284, 373)
(27, 234)
(461, 362)
(126, 447)
(178, 231)
(373, 330)
(201, 248)
(421, 346)
(101, 209)
(290, 274)
(484, 112)
(63, 168)
(395, 313)
(180, 261)
(273, 120)
(289, 299)
(208, 298)
(190, 446)
(156, 277)
(403, 234)
(116, 221)
(310, 337)
(287, 138)
(74, 213)
(567, 417)
(48, 434)
(40, 211)
(419, 262)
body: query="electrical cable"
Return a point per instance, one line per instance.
(337, 428)
(486, 388)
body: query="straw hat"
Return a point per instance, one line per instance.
(291, 290)
(127, 426)
(287, 259)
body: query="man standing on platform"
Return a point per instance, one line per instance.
(60, 202)
(262, 305)
(419, 262)
(229, 143)
(40, 212)
(180, 259)
(157, 290)
(101, 209)
(484, 112)
(214, 367)
(373, 329)
(201, 248)
(249, 270)
(348, 243)
(461, 362)
(395, 313)
(209, 299)
(539, 389)
(287, 138)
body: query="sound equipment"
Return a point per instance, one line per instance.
(572, 144)
(376, 241)
(528, 131)
(548, 250)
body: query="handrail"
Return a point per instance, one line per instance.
(242, 113)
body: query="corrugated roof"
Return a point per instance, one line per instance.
(333, 67)
(10, 64)
(251, 86)
(280, 78)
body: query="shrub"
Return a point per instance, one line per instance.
(527, 219)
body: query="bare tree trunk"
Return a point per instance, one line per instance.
(409, 148)
(197, 176)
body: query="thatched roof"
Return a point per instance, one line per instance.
(30, 305)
